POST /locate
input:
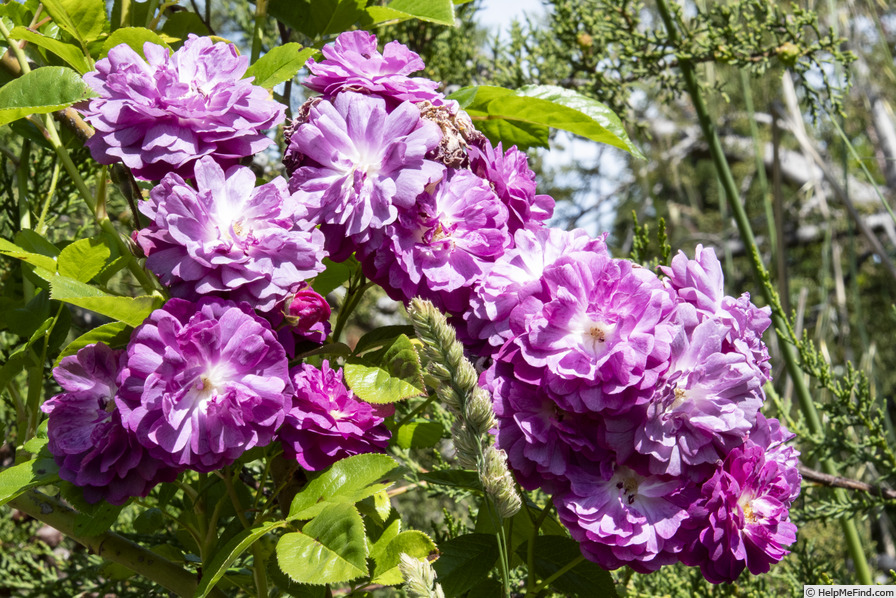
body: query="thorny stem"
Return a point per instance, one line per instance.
(111, 546)
(258, 568)
(782, 326)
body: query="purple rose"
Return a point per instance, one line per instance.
(162, 114)
(88, 441)
(443, 245)
(203, 383)
(360, 164)
(326, 423)
(229, 238)
(353, 63)
(741, 519)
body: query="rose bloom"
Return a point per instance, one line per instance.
(164, 113)
(203, 383)
(88, 441)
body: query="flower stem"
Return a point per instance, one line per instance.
(111, 546)
(556, 575)
(261, 9)
(782, 326)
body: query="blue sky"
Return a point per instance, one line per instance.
(499, 13)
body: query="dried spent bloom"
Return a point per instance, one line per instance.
(162, 114)
(229, 238)
(353, 63)
(203, 383)
(326, 422)
(88, 441)
(360, 163)
(742, 517)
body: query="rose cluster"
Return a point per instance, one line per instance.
(633, 398)
(396, 173)
(206, 377)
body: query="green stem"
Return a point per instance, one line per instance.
(356, 289)
(418, 409)
(149, 284)
(258, 569)
(782, 326)
(41, 226)
(556, 575)
(111, 546)
(261, 9)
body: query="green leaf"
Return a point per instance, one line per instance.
(130, 310)
(135, 37)
(39, 441)
(70, 53)
(604, 126)
(96, 520)
(585, 579)
(43, 90)
(114, 334)
(289, 587)
(316, 18)
(334, 276)
(419, 434)
(17, 479)
(85, 20)
(378, 548)
(280, 64)
(83, 259)
(35, 243)
(347, 481)
(149, 521)
(392, 375)
(224, 557)
(414, 543)
(35, 259)
(383, 335)
(522, 115)
(182, 24)
(465, 561)
(434, 11)
(331, 548)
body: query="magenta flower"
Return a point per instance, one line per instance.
(621, 517)
(742, 517)
(704, 405)
(542, 441)
(514, 183)
(203, 383)
(442, 246)
(700, 283)
(229, 238)
(361, 163)
(162, 114)
(601, 334)
(353, 63)
(515, 276)
(88, 441)
(326, 423)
